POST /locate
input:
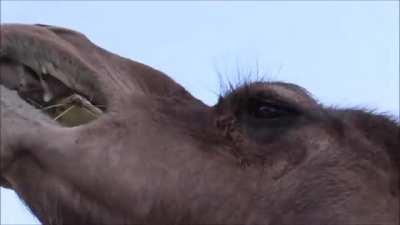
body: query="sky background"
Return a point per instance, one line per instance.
(345, 53)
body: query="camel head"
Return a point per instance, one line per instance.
(89, 137)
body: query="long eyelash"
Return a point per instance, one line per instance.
(228, 87)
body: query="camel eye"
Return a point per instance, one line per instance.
(267, 110)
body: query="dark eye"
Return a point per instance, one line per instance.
(268, 110)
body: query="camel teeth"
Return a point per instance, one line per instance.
(47, 95)
(44, 70)
(21, 76)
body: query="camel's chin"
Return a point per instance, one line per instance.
(62, 202)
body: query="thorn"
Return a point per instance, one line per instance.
(63, 113)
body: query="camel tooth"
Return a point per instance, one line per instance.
(43, 69)
(48, 68)
(47, 95)
(21, 76)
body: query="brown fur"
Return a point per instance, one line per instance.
(266, 153)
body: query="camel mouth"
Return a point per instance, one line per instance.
(48, 94)
(50, 74)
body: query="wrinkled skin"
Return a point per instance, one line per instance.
(267, 153)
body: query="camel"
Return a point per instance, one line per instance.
(150, 153)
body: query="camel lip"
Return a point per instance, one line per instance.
(46, 54)
(46, 60)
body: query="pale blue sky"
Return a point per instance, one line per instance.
(345, 53)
